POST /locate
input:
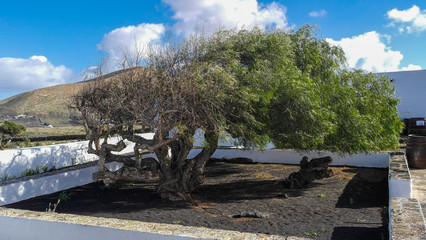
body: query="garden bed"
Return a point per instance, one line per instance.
(350, 205)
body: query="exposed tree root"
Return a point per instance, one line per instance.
(309, 171)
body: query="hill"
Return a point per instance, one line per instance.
(44, 105)
(48, 104)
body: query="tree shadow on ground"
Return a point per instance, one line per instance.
(246, 190)
(367, 189)
(356, 233)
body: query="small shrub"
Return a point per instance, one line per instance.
(37, 170)
(311, 233)
(29, 172)
(6, 176)
(63, 196)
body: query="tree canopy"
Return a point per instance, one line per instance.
(288, 87)
(9, 129)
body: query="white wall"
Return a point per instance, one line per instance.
(30, 188)
(23, 229)
(15, 161)
(377, 160)
(411, 88)
(401, 188)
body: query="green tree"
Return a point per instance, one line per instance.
(288, 87)
(8, 130)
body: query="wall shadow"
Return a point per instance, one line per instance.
(357, 233)
(366, 189)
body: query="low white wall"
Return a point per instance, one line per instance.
(14, 161)
(24, 229)
(30, 188)
(376, 160)
(400, 188)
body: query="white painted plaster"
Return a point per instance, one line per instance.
(410, 88)
(30, 188)
(24, 229)
(401, 188)
(377, 160)
(15, 161)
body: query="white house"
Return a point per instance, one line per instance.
(411, 89)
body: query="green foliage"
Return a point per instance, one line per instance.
(7, 130)
(311, 233)
(292, 88)
(11, 129)
(6, 177)
(29, 172)
(64, 196)
(39, 169)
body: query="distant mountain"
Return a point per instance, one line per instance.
(46, 104)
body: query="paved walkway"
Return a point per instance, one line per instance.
(418, 178)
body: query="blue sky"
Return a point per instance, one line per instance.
(45, 43)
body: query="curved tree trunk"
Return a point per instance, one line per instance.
(180, 175)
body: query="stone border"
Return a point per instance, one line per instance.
(53, 226)
(400, 184)
(406, 220)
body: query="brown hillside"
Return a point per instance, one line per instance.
(45, 103)
(49, 104)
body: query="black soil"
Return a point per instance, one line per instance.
(350, 205)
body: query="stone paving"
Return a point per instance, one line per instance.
(418, 178)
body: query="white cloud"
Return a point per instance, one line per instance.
(18, 74)
(316, 14)
(409, 20)
(128, 39)
(411, 67)
(369, 51)
(211, 14)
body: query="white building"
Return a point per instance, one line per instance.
(411, 89)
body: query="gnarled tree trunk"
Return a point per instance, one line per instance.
(180, 175)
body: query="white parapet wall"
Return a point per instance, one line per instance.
(28, 188)
(400, 184)
(375, 160)
(14, 161)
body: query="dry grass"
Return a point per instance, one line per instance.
(343, 173)
(56, 131)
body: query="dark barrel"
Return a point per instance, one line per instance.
(417, 126)
(416, 151)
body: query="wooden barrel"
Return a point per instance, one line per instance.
(417, 126)
(416, 151)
